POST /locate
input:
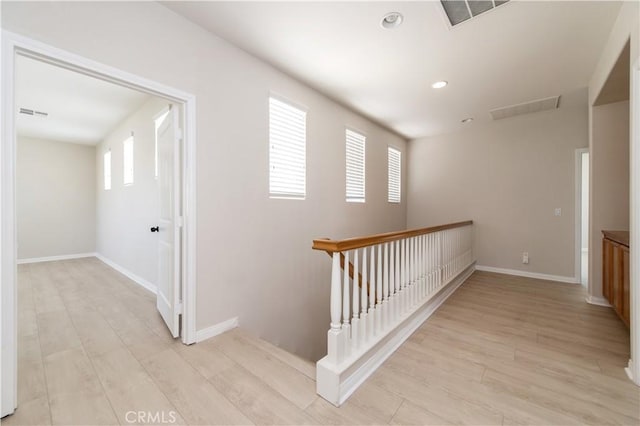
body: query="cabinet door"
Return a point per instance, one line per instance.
(625, 286)
(616, 288)
(607, 269)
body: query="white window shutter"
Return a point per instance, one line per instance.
(128, 161)
(355, 166)
(107, 170)
(395, 173)
(287, 150)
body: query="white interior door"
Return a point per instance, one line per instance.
(169, 222)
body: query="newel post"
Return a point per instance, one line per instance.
(335, 343)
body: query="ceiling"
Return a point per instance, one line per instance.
(81, 109)
(515, 53)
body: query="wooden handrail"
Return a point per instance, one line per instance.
(333, 246)
(351, 269)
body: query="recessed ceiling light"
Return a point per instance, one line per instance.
(391, 20)
(439, 84)
(467, 120)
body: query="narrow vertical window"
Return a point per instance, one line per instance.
(106, 164)
(355, 143)
(395, 172)
(128, 161)
(158, 122)
(287, 150)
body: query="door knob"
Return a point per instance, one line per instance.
(155, 229)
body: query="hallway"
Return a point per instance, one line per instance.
(501, 350)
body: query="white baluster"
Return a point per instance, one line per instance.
(364, 329)
(335, 343)
(372, 294)
(355, 322)
(419, 260)
(440, 256)
(405, 274)
(412, 271)
(416, 240)
(379, 280)
(434, 260)
(421, 291)
(458, 250)
(447, 255)
(392, 281)
(409, 272)
(397, 308)
(397, 281)
(429, 263)
(346, 327)
(385, 287)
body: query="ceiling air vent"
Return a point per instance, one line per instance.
(27, 111)
(525, 108)
(459, 11)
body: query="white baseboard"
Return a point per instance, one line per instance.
(595, 300)
(559, 278)
(133, 277)
(54, 258)
(337, 383)
(214, 330)
(629, 370)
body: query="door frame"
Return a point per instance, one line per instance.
(14, 44)
(633, 368)
(578, 213)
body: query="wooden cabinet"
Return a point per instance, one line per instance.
(615, 271)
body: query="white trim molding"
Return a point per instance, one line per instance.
(536, 275)
(599, 301)
(633, 369)
(337, 384)
(578, 214)
(127, 273)
(216, 329)
(54, 258)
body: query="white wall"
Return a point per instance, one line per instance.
(508, 176)
(626, 27)
(254, 253)
(609, 192)
(55, 198)
(125, 213)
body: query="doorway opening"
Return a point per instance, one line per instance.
(584, 217)
(178, 158)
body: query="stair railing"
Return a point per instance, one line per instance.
(401, 279)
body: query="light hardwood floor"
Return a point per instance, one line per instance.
(501, 350)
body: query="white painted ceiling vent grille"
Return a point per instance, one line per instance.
(526, 108)
(459, 11)
(27, 111)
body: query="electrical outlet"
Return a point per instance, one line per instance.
(525, 258)
(557, 211)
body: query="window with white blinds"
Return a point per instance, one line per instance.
(287, 150)
(395, 173)
(128, 161)
(107, 170)
(355, 143)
